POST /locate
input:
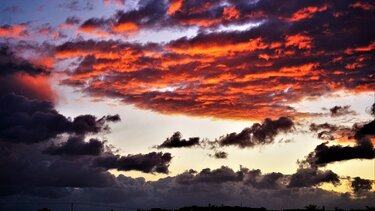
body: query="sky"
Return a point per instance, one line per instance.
(171, 103)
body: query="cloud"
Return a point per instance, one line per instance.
(70, 22)
(11, 64)
(258, 134)
(324, 154)
(35, 157)
(307, 177)
(17, 31)
(117, 2)
(220, 175)
(220, 155)
(341, 111)
(330, 132)
(22, 77)
(366, 130)
(76, 146)
(304, 177)
(25, 167)
(23, 120)
(227, 74)
(360, 185)
(215, 186)
(176, 141)
(75, 5)
(152, 162)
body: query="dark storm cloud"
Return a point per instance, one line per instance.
(220, 175)
(28, 121)
(11, 64)
(324, 154)
(25, 167)
(273, 180)
(360, 185)
(258, 134)
(76, 146)
(304, 177)
(176, 141)
(21, 77)
(215, 186)
(153, 162)
(223, 174)
(341, 111)
(36, 161)
(308, 177)
(366, 130)
(167, 194)
(23, 120)
(372, 110)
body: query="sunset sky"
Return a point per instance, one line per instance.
(171, 103)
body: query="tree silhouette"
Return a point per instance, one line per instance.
(44, 209)
(311, 207)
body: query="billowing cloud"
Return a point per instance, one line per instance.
(29, 121)
(225, 187)
(152, 162)
(76, 146)
(176, 141)
(24, 168)
(324, 154)
(22, 77)
(306, 177)
(11, 64)
(37, 143)
(258, 134)
(293, 50)
(366, 130)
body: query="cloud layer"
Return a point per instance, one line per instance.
(244, 74)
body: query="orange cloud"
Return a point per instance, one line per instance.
(174, 6)
(18, 31)
(126, 27)
(220, 49)
(363, 5)
(244, 74)
(231, 13)
(298, 40)
(94, 31)
(306, 13)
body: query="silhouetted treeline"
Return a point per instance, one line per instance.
(238, 208)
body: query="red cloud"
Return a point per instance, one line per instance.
(239, 74)
(306, 13)
(18, 31)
